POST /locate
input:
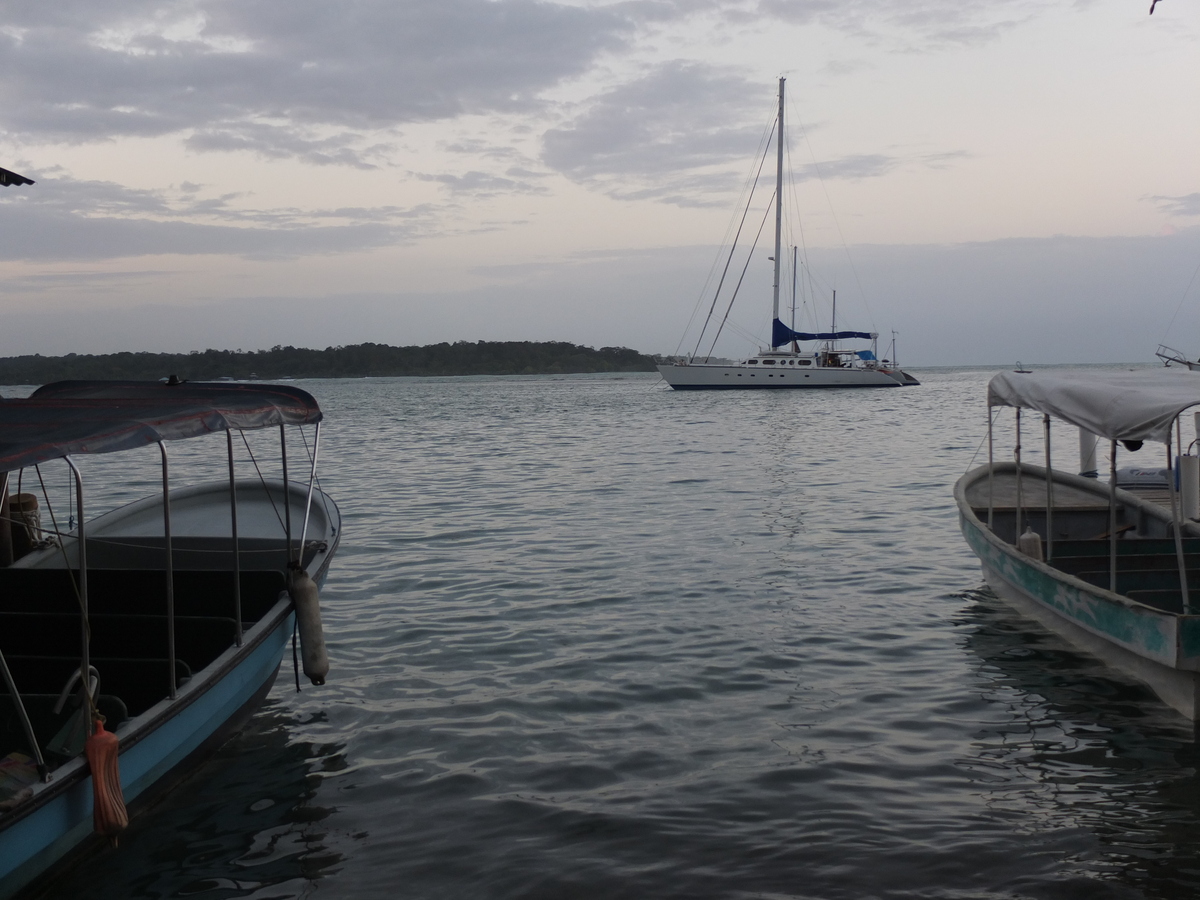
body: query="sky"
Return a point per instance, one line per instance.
(993, 181)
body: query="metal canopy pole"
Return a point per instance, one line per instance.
(1049, 495)
(1112, 516)
(1020, 498)
(237, 552)
(312, 478)
(170, 568)
(991, 475)
(1177, 527)
(81, 542)
(287, 497)
(26, 725)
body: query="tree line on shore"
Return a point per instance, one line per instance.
(355, 361)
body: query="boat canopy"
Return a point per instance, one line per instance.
(1121, 406)
(76, 417)
(781, 334)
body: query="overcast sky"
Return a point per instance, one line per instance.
(994, 180)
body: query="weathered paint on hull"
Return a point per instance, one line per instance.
(1159, 648)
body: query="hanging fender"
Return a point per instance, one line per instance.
(303, 591)
(109, 817)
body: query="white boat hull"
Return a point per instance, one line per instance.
(701, 376)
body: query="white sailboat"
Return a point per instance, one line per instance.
(827, 366)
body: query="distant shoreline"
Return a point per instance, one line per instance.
(355, 361)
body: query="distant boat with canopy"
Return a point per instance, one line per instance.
(1114, 568)
(829, 365)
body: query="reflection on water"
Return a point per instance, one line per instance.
(247, 824)
(1085, 747)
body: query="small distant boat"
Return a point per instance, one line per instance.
(830, 366)
(1114, 568)
(167, 617)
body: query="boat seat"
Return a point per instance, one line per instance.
(1125, 546)
(1073, 565)
(45, 722)
(139, 682)
(194, 553)
(1156, 587)
(198, 639)
(1166, 600)
(197, 592)
(1141, 579)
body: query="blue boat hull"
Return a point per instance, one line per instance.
(176, 734)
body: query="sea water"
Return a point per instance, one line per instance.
(592, 638)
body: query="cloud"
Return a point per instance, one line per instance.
(680, 135)
(673, 133)
(301, 79)
(1186, 205)
(483, 184)
(925, 23)
(72, 219)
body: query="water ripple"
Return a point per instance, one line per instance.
(592, 638)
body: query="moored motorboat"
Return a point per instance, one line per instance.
(1114, 570)
(167, 617)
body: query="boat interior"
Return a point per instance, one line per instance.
(1146, 554)
(40, 629)
(41, 626)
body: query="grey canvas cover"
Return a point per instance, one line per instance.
(77, 417)
(1137, 405)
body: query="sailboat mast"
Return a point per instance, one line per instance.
(778, 200)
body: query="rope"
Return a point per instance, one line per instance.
(295, 657)
(993, 412)
(87, 622)
(749, 184)
(1186, 291)
(837, 224)
(321, 490)
(749, 257)
(732, 250)
(263, 481)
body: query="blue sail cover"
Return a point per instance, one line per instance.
(781, 334)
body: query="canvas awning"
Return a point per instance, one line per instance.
(1139, 405)
(77, 417)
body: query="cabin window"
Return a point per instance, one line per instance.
(806, 362)
(752, 362)
(768, 362)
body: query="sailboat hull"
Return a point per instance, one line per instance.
(716, 378)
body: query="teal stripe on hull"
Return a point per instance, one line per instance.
(1149, 633)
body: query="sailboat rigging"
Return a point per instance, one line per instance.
(830, 366)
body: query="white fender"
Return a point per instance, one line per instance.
(1029, 543)
(303, 591)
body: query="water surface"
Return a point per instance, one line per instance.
(594, 638)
